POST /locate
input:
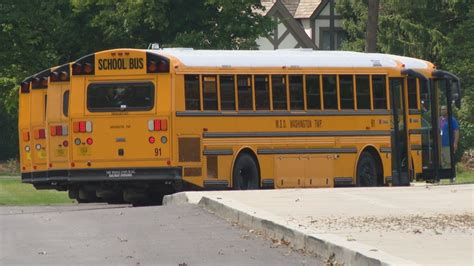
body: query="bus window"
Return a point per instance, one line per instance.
(66, 103)
(379, 91)
(313, 95)
(279, 92)
(227, 92)
(412, 94)
(209, 92)
(363, 91)
(329, 91)
(346, 90)
(244, 87)
(262, 95)
(296, 92)
(191, 92)
(110, 97)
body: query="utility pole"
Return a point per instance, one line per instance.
(372, 26)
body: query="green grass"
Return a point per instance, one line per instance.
(462, 177)
(13, 192)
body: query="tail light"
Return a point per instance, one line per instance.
(84, 66)
(58, 76)
(59, 130)
(40, 133)
(26, 136)
(40, 83)
(82, 127)
(158, 125)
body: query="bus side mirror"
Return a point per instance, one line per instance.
(456, 93)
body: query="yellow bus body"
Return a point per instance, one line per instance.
(300, 148)
(24, 132)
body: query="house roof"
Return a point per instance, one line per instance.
(299, 9)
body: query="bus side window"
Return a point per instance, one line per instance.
(379, 91)
(296, 92)
(66, 103)
(209, 92)
(346, 90)
(313, 96)
(412, 94)
(329, 91)
(191, 92)
(244, 87)
(262, 93)
(227, 87)
(279, 92)
(363, 92)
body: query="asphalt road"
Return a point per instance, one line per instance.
(101, 234)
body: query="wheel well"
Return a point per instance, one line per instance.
(378, 161)
(253, 155)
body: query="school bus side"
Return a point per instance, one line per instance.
(24, 132)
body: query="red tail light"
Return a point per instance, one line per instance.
(158, 125)
(26, 136)
(40, 133)
(88, 68)
(82, 127)
(65, 143)
(89, 141)
(59, 130)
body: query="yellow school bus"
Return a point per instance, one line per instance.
(150, 122)
(57, 125)
(24, 132)
(38, 102)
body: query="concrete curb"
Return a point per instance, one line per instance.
(326, 245)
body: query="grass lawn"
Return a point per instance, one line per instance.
(462, 177)
(13, 192)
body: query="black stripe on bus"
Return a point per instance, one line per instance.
(216, 184)
(414, 112)
(307, 151)
(295, 134)
(416, 131)
(385, 149)
(280, 113)
(218, 152)
(416, 147)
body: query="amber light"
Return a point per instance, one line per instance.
(26, 136)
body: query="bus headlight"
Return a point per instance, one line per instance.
(164, 139)
(38, 147)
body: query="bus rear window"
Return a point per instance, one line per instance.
(110, 97)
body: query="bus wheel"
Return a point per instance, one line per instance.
(245, 175)
(366, 170)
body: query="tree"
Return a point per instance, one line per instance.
(372, 25)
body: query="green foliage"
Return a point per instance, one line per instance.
(13, 192)
(35, 35)
(440, 31)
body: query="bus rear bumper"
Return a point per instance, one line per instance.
(163, 174)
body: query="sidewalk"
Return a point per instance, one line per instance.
(388, 225)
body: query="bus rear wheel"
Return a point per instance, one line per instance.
(367, 170)
(245, 174)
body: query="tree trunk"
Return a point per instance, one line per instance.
(372, 25)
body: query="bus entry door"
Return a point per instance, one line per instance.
(399, 136)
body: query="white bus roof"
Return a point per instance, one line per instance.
(287, 58)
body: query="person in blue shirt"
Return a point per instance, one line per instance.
(445, 135)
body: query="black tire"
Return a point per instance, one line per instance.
(245, 174)
(367, 170)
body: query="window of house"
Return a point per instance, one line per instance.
(262, 92)
(227, 87)
(330, 91)
(244, 87)
(325, 38)
(191, 92)
(379, 91)
(363, 91)
(346, 90)
(313, 95)
(279, 92)
(296, 92)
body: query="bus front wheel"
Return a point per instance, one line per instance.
(245, 175)
(366, 170)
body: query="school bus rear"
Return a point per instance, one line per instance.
(57, 125)
(38, 102)
(120, 118)
(24, 133)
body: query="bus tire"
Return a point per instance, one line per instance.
(245, 174)
(366, 170)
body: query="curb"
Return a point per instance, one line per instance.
(334, 248)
